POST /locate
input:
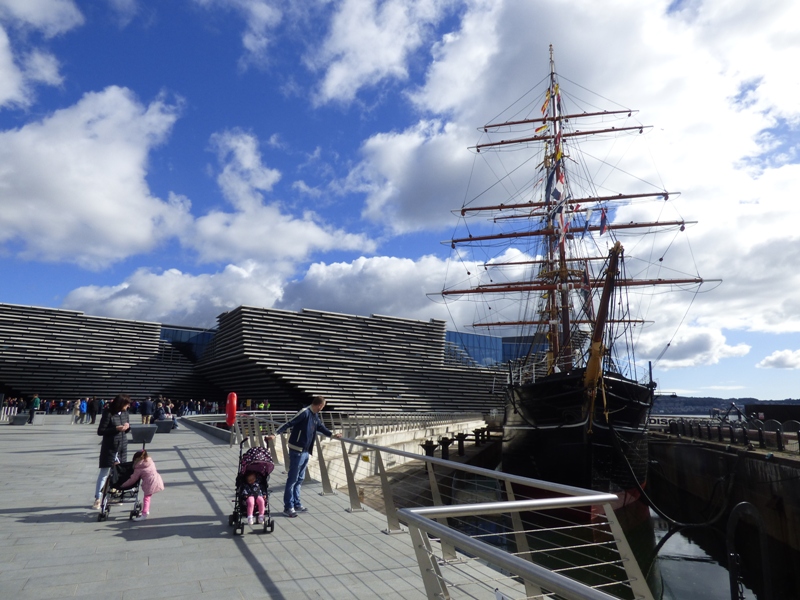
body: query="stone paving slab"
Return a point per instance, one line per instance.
(52, 546)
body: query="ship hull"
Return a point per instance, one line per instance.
(551, 432)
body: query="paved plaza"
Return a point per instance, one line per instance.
(52, 546)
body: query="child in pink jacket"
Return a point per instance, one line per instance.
(145, 469)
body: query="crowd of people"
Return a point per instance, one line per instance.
(85, 410)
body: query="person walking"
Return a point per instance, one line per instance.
(114, 425)
(35, 404)
(304, 425)
(147, 411)
(92, 409)
(76, 412)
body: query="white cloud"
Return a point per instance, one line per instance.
(781, 359)
(126, 10)
(42, 67)
(260, 230)
(19, 74)
(370, 41)
(710, 81)
(262, 17)
(23, 65)
(74, 183)
(412, 179)
(52, 17)
(13, 87)
(380, 285)
(178, 298)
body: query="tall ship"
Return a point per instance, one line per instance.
(558, 254)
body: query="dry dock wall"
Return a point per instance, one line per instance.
(707, 470)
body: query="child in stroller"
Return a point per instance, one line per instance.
(114, 492)
(252, 483)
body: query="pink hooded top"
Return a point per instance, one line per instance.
(146, 471)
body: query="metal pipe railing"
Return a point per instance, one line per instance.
(592, 548)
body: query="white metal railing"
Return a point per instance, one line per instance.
(478, 533)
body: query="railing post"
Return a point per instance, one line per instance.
(448, 551)
(327, 490)
(285, 449)
(355, 503)
(523, 549)
(779, 438)
(392, 522)
(435, 587)
(477, 433)
(635, 577)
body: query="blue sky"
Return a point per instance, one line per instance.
(167, 161)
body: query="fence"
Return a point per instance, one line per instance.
(477, 533)
(768, 434)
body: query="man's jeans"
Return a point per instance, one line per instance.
(298, 461)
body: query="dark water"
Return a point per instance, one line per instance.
(693, 562)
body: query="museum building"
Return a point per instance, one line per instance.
(283, 357)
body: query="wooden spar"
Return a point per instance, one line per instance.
(486, 128)
(594, 366)
(540, 262)
(578, 321)
(553, 232)
(526, 286)
(548, 137)
(526, 205)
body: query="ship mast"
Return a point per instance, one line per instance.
(556, 189)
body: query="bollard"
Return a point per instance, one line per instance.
(460, 437)
(477, 436)
(429, 446)
(445, 444)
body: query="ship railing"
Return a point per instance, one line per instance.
(769, 434)
(478, 532)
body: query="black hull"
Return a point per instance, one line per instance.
(550, 433)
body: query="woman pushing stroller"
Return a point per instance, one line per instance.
(113, 427)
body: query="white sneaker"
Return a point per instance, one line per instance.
(96, 505)
(260, 519)
(249, 520)
(141, 517)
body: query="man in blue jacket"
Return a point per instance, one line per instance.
(305, 425)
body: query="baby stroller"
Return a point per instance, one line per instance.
(113, 492)
(257, 461)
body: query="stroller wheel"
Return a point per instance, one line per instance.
(231, 520)
(134, 514)
(269, 526)
(239, 530)
(102, 516)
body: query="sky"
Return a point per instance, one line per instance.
(169, 161)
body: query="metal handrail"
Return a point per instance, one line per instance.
(544, 578)
(535, 577)
(424, 523)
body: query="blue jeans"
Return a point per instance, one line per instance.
(298, 461)
(101, 481)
